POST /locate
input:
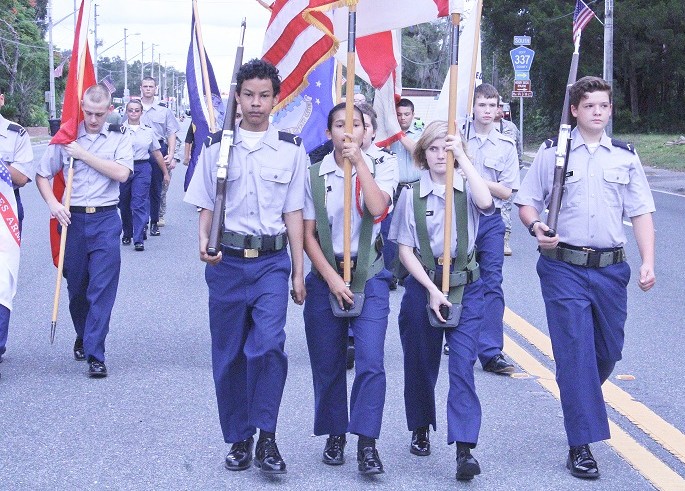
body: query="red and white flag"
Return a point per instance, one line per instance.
(303, 33)
(10, 239)
(81, 76)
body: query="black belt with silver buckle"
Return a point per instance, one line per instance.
(586, 257)
(142, 161)
(91, 209)
(252, 246)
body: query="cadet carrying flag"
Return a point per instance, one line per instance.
(307, 114)
(10, 239)
(81, 76)
(197, 95)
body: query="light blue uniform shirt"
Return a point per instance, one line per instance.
(403, 226)
(385, 175)
(161, 120)
(263, 183)
(496, 160)
(600, 188)
(91, 188)
(408, 171)
(144, 141)
(15, 148)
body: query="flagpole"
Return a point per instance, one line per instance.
(347, 165)
(83, 42)
(474, 57)
(451, 130)
(205, 73)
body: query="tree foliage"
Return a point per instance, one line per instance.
(23, 59)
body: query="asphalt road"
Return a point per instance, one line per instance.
(152, 424)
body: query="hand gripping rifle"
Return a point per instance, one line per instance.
(563, 148)
(227, 136)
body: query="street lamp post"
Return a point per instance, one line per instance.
(126, 92)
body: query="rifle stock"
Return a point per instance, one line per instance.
(226, 144)
(562, 152)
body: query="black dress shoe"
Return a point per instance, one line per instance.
(446, 349)
(126, 240)
(154, 229)
(420, 441)
(369, 461)
(581, 463)
(240, 456)
(97, 369)
(267, 457)
(79, 352)
(499, 365)
(349, 361)
(467, 466)
(334, 451)
(139, 246)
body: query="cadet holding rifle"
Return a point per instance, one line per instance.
(582, 267)
(248, 277)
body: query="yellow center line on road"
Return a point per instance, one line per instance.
(653, 469)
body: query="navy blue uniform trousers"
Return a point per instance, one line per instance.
(156, 186)
(134, 201)
(248, 299)
(327, 343)
(422, 347)
(490, 257)
(4, 328)
(92, 261)
(586, 313)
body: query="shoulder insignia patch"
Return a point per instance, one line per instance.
(289, 137)
(387, 150)
(16, 128)
(163, 104)
(213, 138)
(551, 142)
(117, 128)
(624, 145)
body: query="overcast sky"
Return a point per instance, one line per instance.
(166, 23)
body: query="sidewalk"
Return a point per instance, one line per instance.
(659, 179)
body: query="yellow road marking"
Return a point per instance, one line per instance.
(661, 431)
(654, 470)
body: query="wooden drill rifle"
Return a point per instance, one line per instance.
(563, 149)
(227, 137)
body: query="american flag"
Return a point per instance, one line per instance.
(109, 83)
(5, 173)
(582, 16)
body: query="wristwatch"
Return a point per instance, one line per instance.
(531, 227)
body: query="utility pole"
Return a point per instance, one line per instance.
(142, 61)
(51, 56)
(609, 51)
(126, 92)
(152, 65)
(95, 45)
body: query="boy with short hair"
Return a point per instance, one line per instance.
(582, 269)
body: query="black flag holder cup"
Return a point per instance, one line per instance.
(452, 314)
(355, 308)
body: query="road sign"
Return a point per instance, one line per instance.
(522, 40)
(521, 75)
(522, 93)
(522, 58)
(521, 85)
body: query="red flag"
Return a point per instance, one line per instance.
(81, 76)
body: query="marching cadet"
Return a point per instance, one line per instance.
(163, 122)
(134, 199)
(248, 279)
(103, 158)
(418, 224)
(17, 155)
(583, 270)
(374, 183)
(496, 159)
